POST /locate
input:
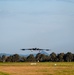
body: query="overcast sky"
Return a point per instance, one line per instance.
(36, 23)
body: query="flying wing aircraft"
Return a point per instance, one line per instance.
(35, 49)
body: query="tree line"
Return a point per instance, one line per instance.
(53, 57)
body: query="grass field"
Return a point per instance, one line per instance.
(45, 68)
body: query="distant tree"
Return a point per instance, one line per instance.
(73, 57)
(69, 57)
(22, 59)
(42, 58)
(3, 58)
(38, 57)
(53, 57)
(31, 58)
(60, 57)
(47, 59)
(9, 59)
(15, 58)
(0, 59)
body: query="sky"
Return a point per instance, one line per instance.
(36, 23)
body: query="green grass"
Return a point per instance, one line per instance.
(2, 73)
(40, 63)
(42, 68)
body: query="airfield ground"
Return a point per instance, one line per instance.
(45, 68)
